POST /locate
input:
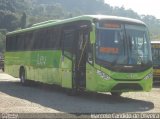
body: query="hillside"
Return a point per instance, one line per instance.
(17, 14)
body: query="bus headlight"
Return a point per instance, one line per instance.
(103, 75)
(150, 75)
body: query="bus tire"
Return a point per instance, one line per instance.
(22, 76)
(3, 69)
(116, 94)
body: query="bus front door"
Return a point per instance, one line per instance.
(79, 69)
(74, 56)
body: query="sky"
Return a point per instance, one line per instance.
(146, 7)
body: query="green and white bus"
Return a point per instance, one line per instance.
(92, 53)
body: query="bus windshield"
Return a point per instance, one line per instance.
(123, 44)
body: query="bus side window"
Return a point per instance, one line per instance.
(67, 43)
(20, 42)
(9, 43)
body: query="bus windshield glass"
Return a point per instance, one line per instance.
(123, 44)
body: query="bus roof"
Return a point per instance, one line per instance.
(83, 17)
(155, 42)
(45, 22)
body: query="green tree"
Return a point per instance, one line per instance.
(55, 11)
(153, 25)
(8, 20)
(23, 20)
(8, 5)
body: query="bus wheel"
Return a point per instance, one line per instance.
(116, 94)
(22, 76)
(3, 69)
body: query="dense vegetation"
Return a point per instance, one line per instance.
(17, 14)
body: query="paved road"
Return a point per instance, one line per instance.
(15, 98)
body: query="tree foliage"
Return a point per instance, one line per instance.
(23, 20)
(8, 5)
(11, 12)
(8, 20)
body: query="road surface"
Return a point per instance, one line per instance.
(15, 98)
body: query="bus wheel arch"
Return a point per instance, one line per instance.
(22, 75)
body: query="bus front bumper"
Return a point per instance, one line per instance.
(125, 86)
